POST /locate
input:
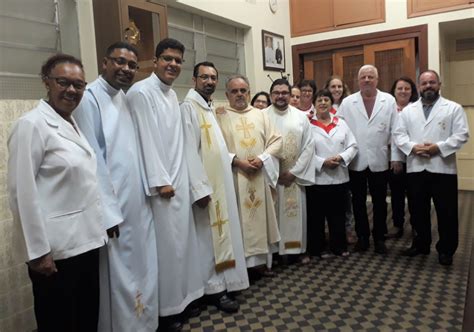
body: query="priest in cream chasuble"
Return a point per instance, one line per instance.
(296, 168)
(254, 147)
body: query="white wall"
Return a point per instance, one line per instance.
(396, 18)
(253, 15)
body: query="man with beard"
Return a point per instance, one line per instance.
(429, 132)
(297, 168)
(155, 111)
(217, 221)
(128, 264)
(254, 146)
(370, 114)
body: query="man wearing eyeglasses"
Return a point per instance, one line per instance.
(217, 221)
(157, 117)
(128, 300)
(297, 168)
(254, 146)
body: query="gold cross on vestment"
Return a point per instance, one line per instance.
(245, 127)
(219, 222)
(206, 126)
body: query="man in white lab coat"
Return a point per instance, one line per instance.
(370, 114)
(430, 132)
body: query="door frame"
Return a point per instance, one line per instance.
(419, 33)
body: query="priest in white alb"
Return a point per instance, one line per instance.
(217, 223)
(297, 167)
(128, 264)
(155, 110)
(255, 147)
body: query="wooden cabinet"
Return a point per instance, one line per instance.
(426, 7)
(139, 22)
(313, 16)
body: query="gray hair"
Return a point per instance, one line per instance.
(234, 77)
(364, 67)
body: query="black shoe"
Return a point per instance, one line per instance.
(226, 304)
(445, 259)
(192, 311)
(361, 245)
(414, 251)
(380, 247)
(170, 324)
(395, 235)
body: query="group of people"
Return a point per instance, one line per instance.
(136, 210)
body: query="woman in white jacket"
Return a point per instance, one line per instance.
(335, 149)
(54, 198)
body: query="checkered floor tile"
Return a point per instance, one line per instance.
(365, 291)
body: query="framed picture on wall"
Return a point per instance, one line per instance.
(273, 50)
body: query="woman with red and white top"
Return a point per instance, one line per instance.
(335, 148)
(405, 93)
(308, 89)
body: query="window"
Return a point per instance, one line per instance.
(206, 40)
(29, 34)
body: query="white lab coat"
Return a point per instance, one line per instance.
(53, 187)
(339, 141)
(373, 135)
(446, 126)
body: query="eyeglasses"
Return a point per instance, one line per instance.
(307, 91)
(280, 93)
(65, 83)
(132, 65)
(169, 59)
(236, 91)
(208, 77)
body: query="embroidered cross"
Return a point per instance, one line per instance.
(245, 127)
(219, 222)
(206, 126)
(139, 307)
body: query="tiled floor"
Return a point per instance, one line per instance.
(365, 291)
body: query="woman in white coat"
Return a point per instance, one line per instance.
(335, 149)
(54, 200)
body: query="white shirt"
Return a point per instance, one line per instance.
(373, 135)
(53, 187)
(338, 141)
(446, 126)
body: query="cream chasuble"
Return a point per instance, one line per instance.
(218, 226)
(248, 135)
(298, 158)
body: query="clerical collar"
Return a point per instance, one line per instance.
(108, 87)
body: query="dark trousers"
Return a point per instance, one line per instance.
(326, 202)
(398, 191)
(377, 184)
(443, 189)
(69, 299)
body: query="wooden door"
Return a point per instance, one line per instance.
(347, 64)
(150, 19)
(392, 59)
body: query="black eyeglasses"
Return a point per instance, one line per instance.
(208, 77)
(280, 93)
(132, 65)
(169, 59)
(66, 83)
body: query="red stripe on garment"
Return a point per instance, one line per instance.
(327, 128)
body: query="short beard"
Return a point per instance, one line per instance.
(430, 95)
